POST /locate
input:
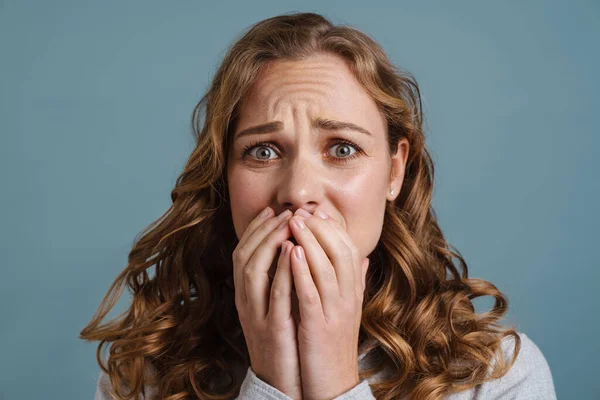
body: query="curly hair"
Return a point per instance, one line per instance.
(181, 333)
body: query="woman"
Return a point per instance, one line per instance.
(301, 257)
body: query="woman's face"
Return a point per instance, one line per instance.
(324, 146)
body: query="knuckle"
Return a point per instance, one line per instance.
(277, 293)
(347, 254)
(312, 299)
(239, 255)
(343, 252)
(248, 274)
(330, 275)
(268, 226)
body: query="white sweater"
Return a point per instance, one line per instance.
(529, 378)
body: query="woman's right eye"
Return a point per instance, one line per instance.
(264, 149)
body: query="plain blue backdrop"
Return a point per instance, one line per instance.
(95, 106)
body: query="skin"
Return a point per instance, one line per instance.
(302, 171)
(305, 171)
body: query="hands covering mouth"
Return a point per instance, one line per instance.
(273, 267)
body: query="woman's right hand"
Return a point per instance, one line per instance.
(265, 310)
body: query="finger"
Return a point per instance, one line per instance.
(280, 303)
(321, 268)
(258, 229)
(264, 216)
(309, 300)
(256, 273)
(340, 249)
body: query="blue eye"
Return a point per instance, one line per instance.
(343, 143)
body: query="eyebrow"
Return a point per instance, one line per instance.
(320, 123)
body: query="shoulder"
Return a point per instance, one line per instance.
(104, 386)
(529, 377)
(104, 389)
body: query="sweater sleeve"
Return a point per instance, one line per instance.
(254, 388)
(528, 379)
(102, 388)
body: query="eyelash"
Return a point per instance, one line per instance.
(359, 150)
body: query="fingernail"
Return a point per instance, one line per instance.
(321, 214)
(282, 224)
(299, 223)
(284, 215)
(303, 213)
(266, 212)
(299, 254)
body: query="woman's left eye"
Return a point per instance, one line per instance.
(343, 154)
(345, 149)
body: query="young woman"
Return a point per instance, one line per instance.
(301, 257)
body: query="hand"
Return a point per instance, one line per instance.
(330, 280)
(269, 328)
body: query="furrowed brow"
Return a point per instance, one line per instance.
(321, 123)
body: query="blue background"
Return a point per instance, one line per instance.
(95, 102)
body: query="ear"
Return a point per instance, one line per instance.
(364, 268)
(397, 168)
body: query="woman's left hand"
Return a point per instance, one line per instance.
(329, 277)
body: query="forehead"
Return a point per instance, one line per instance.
(321, 83)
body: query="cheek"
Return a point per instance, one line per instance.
(363, 206)
(246, 199)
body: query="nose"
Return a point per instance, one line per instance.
(301, 184)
